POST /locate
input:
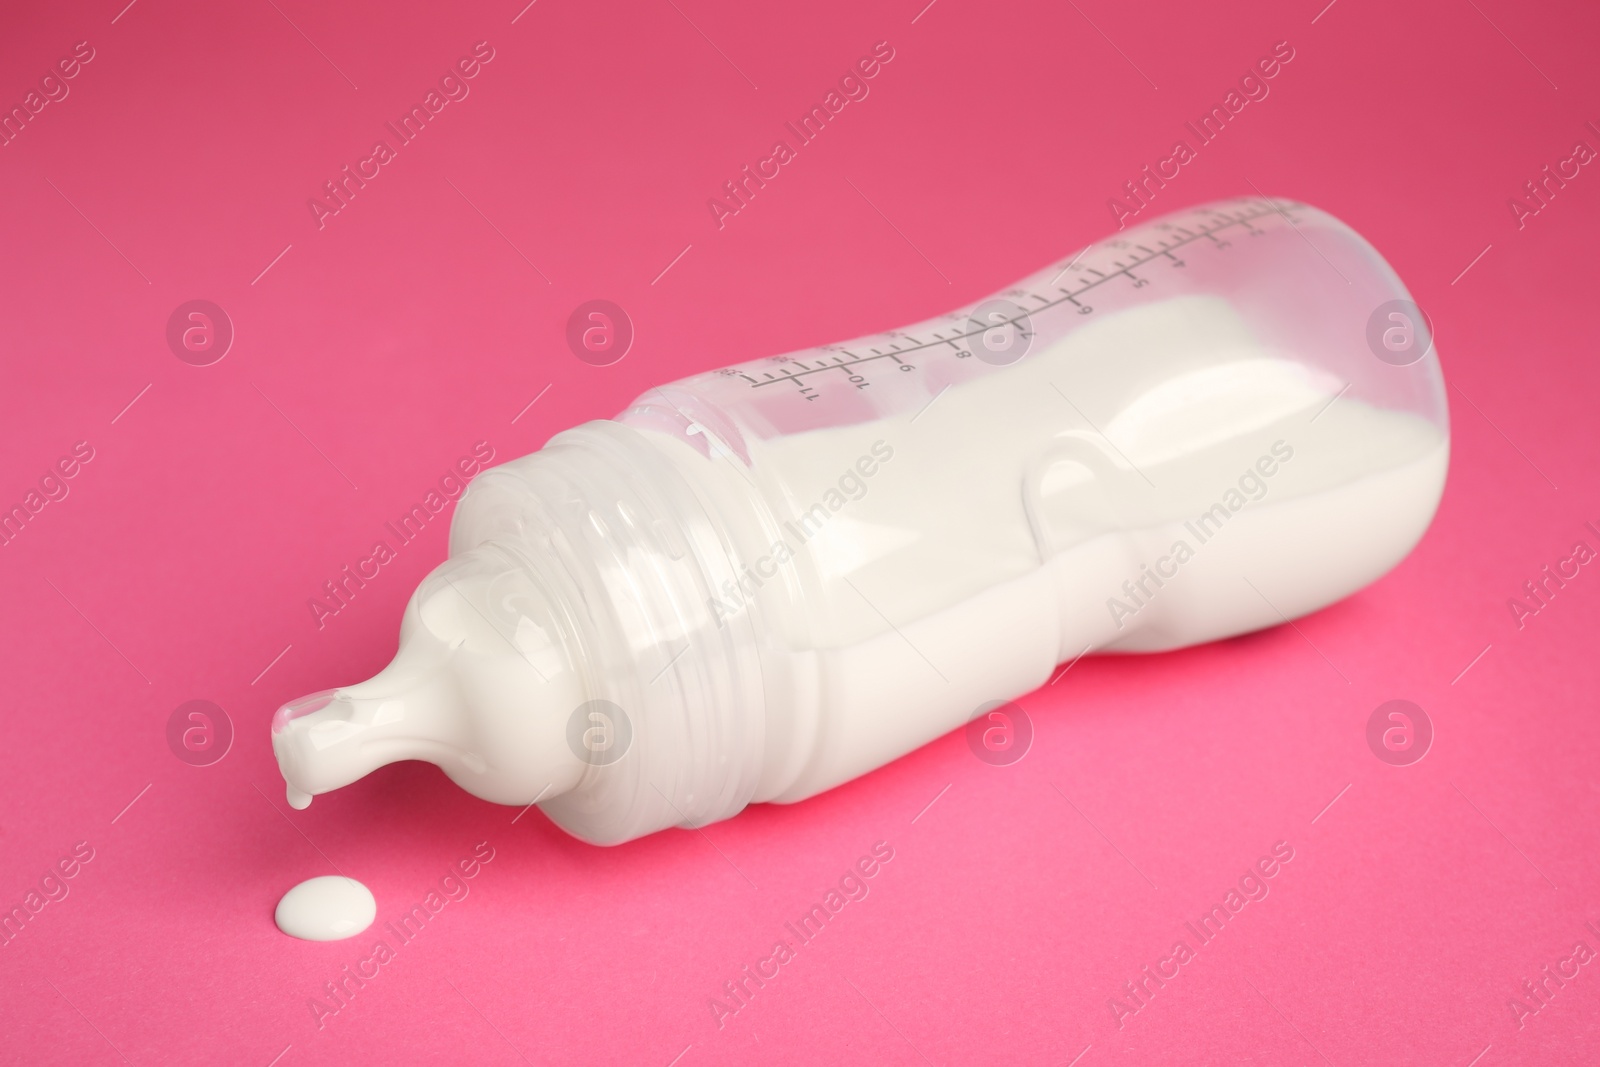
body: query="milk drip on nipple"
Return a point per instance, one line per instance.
(760, 582)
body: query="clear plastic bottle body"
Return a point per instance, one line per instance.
(1304, 284)
(930, 520)
(787, 573)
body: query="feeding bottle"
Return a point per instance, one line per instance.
(760, 582)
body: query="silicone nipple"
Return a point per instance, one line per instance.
(299, 799)
(306, 705)
(480, 686)
(330, 739)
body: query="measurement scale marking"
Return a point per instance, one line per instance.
(1210, 232)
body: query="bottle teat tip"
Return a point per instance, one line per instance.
(306, 705)
(299, 800)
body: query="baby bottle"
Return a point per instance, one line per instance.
(760, 582)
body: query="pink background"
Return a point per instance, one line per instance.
(410, 327)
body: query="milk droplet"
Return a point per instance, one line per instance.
(328, 908)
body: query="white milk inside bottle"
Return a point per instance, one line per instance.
(761, 582)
